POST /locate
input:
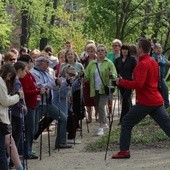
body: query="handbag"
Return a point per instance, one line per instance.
(106, 88)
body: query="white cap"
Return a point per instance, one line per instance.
(42, 58)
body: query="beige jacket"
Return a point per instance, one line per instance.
(6, 101)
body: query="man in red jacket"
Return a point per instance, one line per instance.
(148, 98)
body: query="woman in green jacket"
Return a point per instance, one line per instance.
(97, 73)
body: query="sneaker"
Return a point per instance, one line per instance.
(79, 128)
(106, 126)
(73, 141)
(124, 154)
(100, 132)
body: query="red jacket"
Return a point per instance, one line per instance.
(145, 81)
(30, 90)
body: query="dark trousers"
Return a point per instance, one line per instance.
(29, 130)
(16, 129)
(135, 115)
(164, 92)
(126, 101)
(71, 125)
(3, 156)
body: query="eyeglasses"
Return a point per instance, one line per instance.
(12, 59)
(100, 50)
(116, 45)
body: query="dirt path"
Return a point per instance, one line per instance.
(77, 159)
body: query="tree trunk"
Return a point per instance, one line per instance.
(146, 20)
(24, 28)
(44, 40)
(55, 4)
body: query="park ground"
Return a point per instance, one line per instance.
(77, 158)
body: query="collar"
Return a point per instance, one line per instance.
(141, 58)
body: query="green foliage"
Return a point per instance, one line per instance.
(146, 133)
(5, 27)
(101, 20)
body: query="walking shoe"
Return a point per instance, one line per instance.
(124, 154)
(88, 120)
(31, 157)
(73, 141)
(100, 132)
(79, 128)
(105, 126)
(62, 146)
(35, 141)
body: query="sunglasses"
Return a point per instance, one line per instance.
(12, 59)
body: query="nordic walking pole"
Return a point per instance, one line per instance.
(59, 122)
(23, 138)
(47, 102)
(42, 98)
(10, 115)
(81, 105)
(110, 127)
(87, 124)
(118, 94)
(110, 97)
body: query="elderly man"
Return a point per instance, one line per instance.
(46, 107)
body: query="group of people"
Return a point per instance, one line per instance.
(37, 88)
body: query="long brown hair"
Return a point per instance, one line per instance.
(4, 71)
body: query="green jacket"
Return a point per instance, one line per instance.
(105, 68)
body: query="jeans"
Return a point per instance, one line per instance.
(3, 156)
(29, 131)
(37, 117)
(53, 112)
(135, 115)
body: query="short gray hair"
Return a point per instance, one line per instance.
(103, 46)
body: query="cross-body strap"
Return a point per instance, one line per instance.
(100, 74)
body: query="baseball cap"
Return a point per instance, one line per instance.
(42, 58)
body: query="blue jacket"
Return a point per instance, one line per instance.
(162, 64)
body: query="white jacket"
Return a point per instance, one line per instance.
(6, 101)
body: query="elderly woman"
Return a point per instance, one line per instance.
(163, 62)
(116, 46)
(97, 73)
(89, 55)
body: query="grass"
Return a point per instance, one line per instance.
(146, 134)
